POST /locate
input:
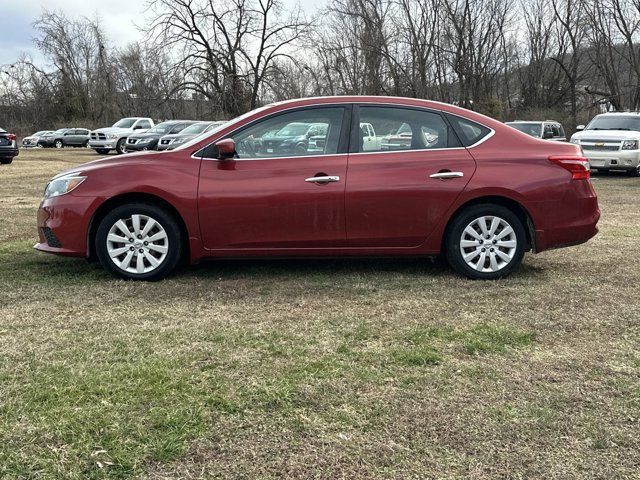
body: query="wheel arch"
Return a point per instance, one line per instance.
(516, 207)
(135, 197)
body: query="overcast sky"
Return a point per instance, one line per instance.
(118, 17)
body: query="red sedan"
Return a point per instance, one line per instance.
(464, 185)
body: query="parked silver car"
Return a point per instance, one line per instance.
(545, 129)
(169, 142)
(33, 141)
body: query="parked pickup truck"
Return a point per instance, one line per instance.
(104, 140)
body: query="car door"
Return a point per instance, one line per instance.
(275, 199)
(395, 197)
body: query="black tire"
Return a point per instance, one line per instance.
(162, 217)
(6, 161)
(635, 172)
(102, 151)
(58, 144)
(466, 217)
(86, 144)
(120, 146)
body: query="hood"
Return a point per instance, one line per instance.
(111, 130)
(139, 135)
(120, 160)
(612, 135)
(173, 136)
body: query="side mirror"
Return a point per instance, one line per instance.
(580, 128)
(226, 149)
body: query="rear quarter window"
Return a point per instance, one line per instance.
(468, 131)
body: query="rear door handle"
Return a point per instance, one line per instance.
(445, 175)
(323, 179)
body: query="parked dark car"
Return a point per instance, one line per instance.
(32, 141)
(66, 137)
(8, 147)
(173, 140)
(149, 139)
(293, 137)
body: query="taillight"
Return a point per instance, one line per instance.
(576, 164)
(11, 137)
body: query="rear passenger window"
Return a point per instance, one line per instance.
(467, 130)
(402, 129)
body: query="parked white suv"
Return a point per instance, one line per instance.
(611, 141)
(104, 140)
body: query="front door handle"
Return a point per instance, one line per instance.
(445, 175)
(323, 179)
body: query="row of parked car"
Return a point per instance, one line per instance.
(127, 134)
(611, 141)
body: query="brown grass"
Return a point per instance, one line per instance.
(306, 369)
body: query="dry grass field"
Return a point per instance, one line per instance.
(307, 369)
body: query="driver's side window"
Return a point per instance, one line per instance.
(313, 131)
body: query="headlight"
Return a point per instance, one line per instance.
(144, 140)
(575, 140)
(62, 185)
(630, 145)
(113, 136)
(178, 140)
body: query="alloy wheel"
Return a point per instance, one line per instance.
(138, 244)
(488, 244)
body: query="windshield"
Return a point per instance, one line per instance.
(615, 122)
(195, 128)
(162, 128)
(293, 130)
(125, 123)
(61, 130)
(38, 134)
(533, 129)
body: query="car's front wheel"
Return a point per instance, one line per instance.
(138, 241)
(58, 144)
(6, 161)
(485, 242)
(121, 148)
(101, 151)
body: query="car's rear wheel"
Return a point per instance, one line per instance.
(485, 242)
(139, 241)
(86, 144)
(6, 161)
(121, 147)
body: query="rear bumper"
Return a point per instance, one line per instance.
(571, 221)
(9, 152)
(63, 223)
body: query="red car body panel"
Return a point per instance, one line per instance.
(241, 208)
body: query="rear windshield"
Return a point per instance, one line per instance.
(125, 123)
(615, 122)
(533, 129)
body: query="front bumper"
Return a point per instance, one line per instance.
(139, 147)
(63, 224)
(103, 144)
(614, 160)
